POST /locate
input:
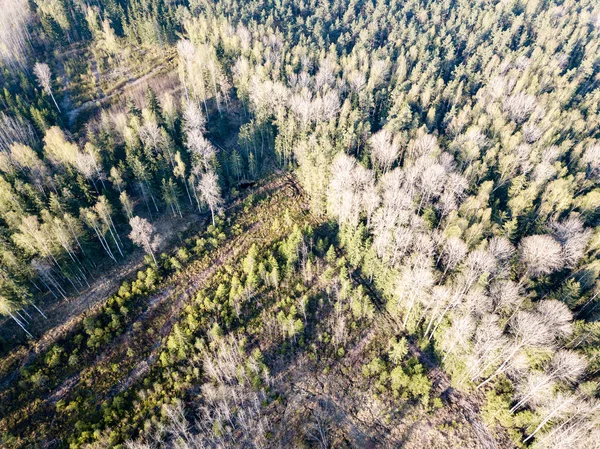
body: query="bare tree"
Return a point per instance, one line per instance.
(193, 118)
(357, 80)
(142, 234)
(326, 74)
(385, 149)
(579, 427)
(127, 204)
(551, 322)
(591, 157)
(559, 405)
(370, 201)
(557, 316)
(541, 254)
(424, 145)
(194, 124)
(340, 187)
(395, 210)
(90, 217)
(347, 188)
(155, 138)
(210, 192)
(47, 277)
(502, 250)
(325, 107)
(87, 164)
(44, 77)
(527, 331)
(202, 150)
(458, 335)
(26, 160)
(320, 427)
(104, 211)
(116, 177)
(179, 171)
(453, 193)
(14, 36)
(566, 366)
(505, 296)
(534, 389)
(432, 182)
(15, 130)
(477, 263)
(574, 239)
(414, 283)
(187, 53)
(453, 252)
(519, 106)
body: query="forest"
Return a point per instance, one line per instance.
(299, 224)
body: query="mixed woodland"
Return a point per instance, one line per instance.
(312, 224)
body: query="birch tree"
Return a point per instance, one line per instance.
(127, 204)
(91, 219)
(414, 284)
(104, 211)
(565, 366)
(8, 308)
(143, 234)
(44, 77)
(541, 254)
(14, 36)
(210, 192)
(385, 149)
